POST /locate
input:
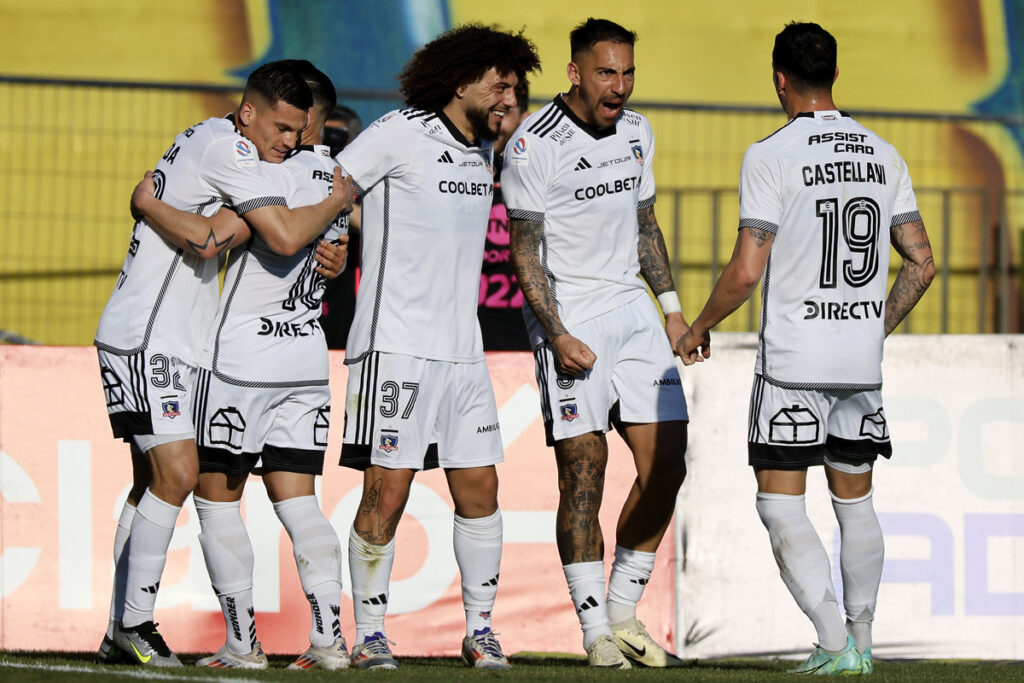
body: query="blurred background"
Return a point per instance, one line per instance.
(93, 92)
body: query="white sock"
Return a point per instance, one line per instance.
(124, 528)
(318, 558)
(229, 561)
(587, 590)
(478, 554)
(152, 528)
(370, 567)
(630, 573)
(803, 565)
(861, 555)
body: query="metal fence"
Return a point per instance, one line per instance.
(71, 152)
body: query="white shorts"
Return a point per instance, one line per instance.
(412, 413)
(148, 394)
(793, 429)
(634, 379)
(242, 428)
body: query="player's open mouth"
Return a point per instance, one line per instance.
(611, 108)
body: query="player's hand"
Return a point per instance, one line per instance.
(675, 328)
(341, 189)
(331, 257)
(574, 357)
(693, 348)
(144, 191)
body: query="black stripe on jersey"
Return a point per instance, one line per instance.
(378, 295)
(823, 386)
(758, 224)
(552, 284)
(646, 203)
(551, 126)
(259, 203)
(542, 120)
(904, 218)
(524, 215)
(765, 289)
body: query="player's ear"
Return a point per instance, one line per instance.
(245, 113)
(836, 76)
(573, 72)
(460, 92)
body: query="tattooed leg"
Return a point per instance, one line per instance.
(385, 493)
(581, 464)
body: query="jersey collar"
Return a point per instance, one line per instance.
(456, 133)
(596, 133)
(820, 114)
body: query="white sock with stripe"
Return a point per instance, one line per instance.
(587, 589)
(370, 568)
(152, 528)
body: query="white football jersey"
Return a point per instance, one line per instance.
(586, 186)
(266, 333)
(164, 297)
(829, 189)
(426, 203)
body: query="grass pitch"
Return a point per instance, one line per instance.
(50, 667)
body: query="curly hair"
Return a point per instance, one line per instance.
(462, 56)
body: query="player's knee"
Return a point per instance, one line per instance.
(175, 483)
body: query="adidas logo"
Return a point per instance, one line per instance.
(640, 582)
(379, 600)
(151, 589)
(492, 582)
(589, 603)
(445, 158)
(583, 164)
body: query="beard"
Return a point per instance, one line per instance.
(479, 120)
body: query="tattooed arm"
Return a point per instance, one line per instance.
(911, 242)
(736, 284)
(206, 237)
(656, 270)
(525, 236)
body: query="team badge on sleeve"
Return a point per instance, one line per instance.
(388, 441)
(519, 156)
(245, 155)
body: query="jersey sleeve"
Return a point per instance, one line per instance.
(904, 209)
(760, 202)
(231, 166)
(383, 149)
(646, 195)
(526, 177)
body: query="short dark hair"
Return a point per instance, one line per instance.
(462, 56)
(320, 86)
(806, 53)
(593, 31)
(280, 82)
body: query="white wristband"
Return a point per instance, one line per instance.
(669, 302)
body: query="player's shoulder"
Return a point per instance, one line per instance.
(542, 124)
(630, 118)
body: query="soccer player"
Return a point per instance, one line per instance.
(152, 328)
(579, 185)
(419, 395)
(265, 400)
(814, 198)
